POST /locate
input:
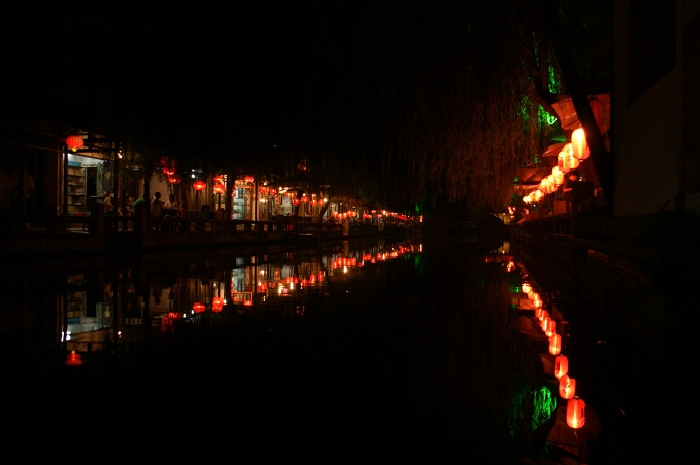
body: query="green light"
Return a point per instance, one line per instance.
(545, 117)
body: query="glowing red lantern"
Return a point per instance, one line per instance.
(335, 214)
(296, 202)
(218, 178)
(199, 185)
(579, 147)
(73, 359)
(74, 142)
(313, 202)
(561, 366)
(174, 179)
(567, 387)
(555, 344)
(558, 176)
(169, 171)
(304, 198)
(198, 307)
(219, 188)
(217, 304)
(576, 413)
(248, 179)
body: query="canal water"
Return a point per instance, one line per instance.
(372, 350)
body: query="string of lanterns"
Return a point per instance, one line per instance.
(570, 157)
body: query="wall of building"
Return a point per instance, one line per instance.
(648, 124)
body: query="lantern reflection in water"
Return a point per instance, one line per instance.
(555, 344)
(567, 387)
(73, 359)
(576, 413)
(561, 366)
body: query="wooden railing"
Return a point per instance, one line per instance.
(99, 223)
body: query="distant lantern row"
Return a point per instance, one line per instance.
(570, 158)
(575, 408)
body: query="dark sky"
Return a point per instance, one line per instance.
(240, 64)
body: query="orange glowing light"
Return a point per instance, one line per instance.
(576, 413)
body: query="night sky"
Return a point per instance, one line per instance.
(240, 65)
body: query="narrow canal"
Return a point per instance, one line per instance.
(354, 350)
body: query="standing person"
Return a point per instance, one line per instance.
(157, 206)
(107, 201)
(157, 209)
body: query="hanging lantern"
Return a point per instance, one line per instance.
(560, 162)
(313, 202)
(218, 178)
(73, 359)
(174, 179)
(199, 185)
(561, 366)
(217, 304)
(567, 387)
(74, 142)
(198, 307)
(248, 179)
(304, 198)
(168, 171)
(557, 176)
(555, 344)
(335, 214)
(570, 161)
(219, 188)
(296, 202)
(163, 161)
(576, 413)
(579, 147)
(273, 191)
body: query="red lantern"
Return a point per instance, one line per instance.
(198, 307)
(296, 202)
(561, 366)
(74, 142)
(579, 147)
(73, 359)
(217, 304)
(576, 413)
(335, 214)
(313, 202)
(567, 387)
(199, 185)
(304, 198)
(219, 188)
(169, 171)
(555, 344)
(218, 178)
(174, 179)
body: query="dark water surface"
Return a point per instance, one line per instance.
(366, 351)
